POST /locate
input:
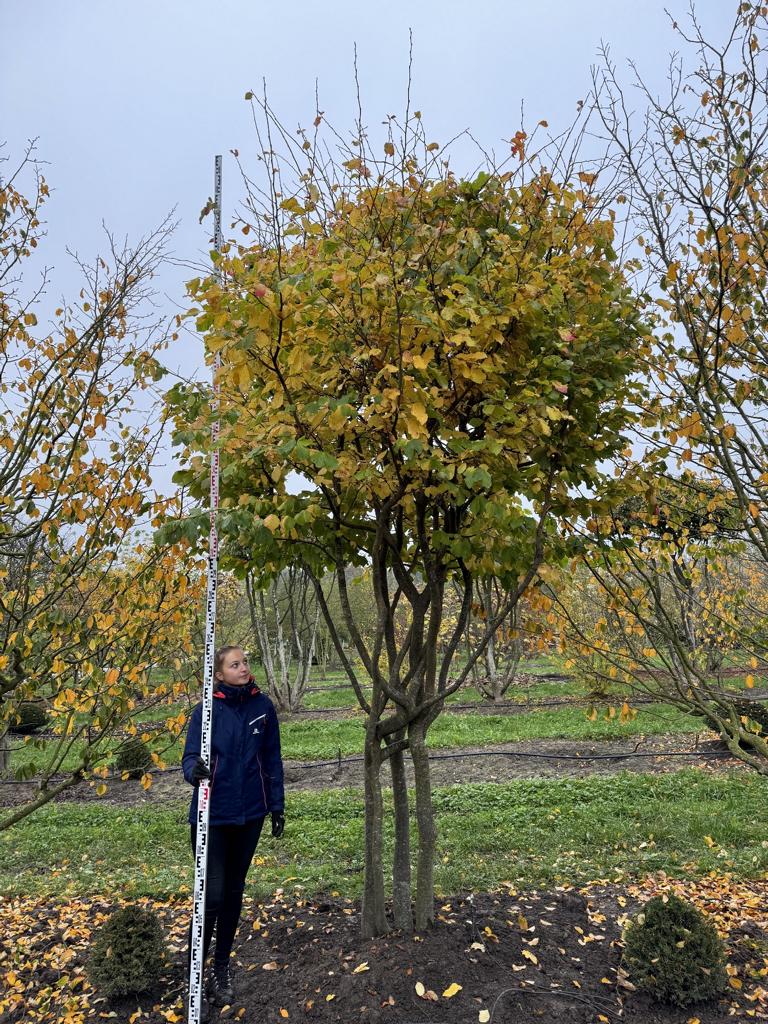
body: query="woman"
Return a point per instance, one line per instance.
(246, 774)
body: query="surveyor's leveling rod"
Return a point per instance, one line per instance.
(204, 793)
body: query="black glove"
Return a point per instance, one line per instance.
(278, 824)
(199, 771)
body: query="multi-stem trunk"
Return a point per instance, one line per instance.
(401, 865)
(374, 919)
(425, 819)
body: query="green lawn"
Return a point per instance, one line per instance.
(527, 832)
(466, 694)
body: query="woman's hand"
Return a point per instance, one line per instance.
(199, 772)
(278, 824)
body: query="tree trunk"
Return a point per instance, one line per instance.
(259, 623)
(425, 819)
(374, 918)
(5, 750)
(283, 658)
(401, 864)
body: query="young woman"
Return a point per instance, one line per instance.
(246, 773)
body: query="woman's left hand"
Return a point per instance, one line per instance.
(278, 824)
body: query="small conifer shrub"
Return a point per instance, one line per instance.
(673, 952)
(128, 953)
(31, 717)
(134, 757)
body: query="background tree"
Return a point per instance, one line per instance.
(503, 651)
(285, 619)
(674, 606)
(444, 364)
(83, 605)
(692, 173)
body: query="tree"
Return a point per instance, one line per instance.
(83, 604)
(674, 606)
(504, 648)
(285, 621)
(692, 172)
(444, 363)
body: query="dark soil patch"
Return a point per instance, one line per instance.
(528, 957)
(530, 759)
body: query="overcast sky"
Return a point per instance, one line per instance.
(130, 102)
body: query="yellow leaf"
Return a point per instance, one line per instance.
(420, 989)
(146, 780)
(389, 149)
(330, 996)
(530, 956)
(484, 1016)
(734, 983)
(272, 522)
(241, 376)
(101, 789)
(361, 967)
(284, 1012)
(750, 681)
(523, 922)
(419, 413)
(452, 989)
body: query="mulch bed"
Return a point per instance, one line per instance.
(524, 957)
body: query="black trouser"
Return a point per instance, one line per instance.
(230, 852)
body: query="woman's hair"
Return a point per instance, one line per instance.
(220, 655)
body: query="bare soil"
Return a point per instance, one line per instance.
(523, 957)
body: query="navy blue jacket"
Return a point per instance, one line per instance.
(246, 767)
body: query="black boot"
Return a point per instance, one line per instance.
(220, 990)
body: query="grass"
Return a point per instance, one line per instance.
(304, 740)
(467, 694)
(527, 832)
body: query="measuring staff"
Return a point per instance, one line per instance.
(229, 851)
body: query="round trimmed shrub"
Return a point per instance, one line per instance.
(756, 711)
(128, 954)
(134, 757)
(32, 717)
(673, 952)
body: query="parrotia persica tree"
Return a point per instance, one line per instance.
(83, 605)
(693, 172)
(674, 605)
(442, 365)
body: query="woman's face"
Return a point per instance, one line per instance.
(234, 669)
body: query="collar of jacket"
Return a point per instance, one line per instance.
(235, 694)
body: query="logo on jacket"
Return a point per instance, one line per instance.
(253, 721)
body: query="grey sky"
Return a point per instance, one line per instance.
(130, 102)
